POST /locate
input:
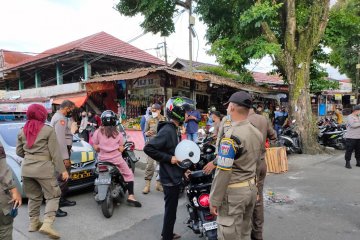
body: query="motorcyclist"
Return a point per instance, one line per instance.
(109, 142)
(162, 149)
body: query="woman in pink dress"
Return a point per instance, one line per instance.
(109, 144)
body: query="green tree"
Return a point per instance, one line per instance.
(240, 30)
(343, 36)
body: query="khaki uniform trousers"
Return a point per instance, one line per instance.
(234, 219)
(36, 189)
(258, 215)
(6, 226)
(150, 168)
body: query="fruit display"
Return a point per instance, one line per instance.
(132, 123)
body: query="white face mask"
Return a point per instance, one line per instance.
(154, 114)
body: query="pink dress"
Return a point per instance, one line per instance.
(109, 152)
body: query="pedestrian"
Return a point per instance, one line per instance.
(192, 119)
(209, 122)
(150, 130)
(38, 145)
(216, 119)
(162, 149)
(109, 143)
(143, 120)
(10, 198)
(84, 133)
(233, 191)
(263, 125)
(352, 137)
(65, 138)
(280, 119)
(339, 115)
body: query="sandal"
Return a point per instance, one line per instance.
(134, 203)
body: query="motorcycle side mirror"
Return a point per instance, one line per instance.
(211, 130)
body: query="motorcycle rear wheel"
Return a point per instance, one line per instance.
(211, 235)
(107, 206)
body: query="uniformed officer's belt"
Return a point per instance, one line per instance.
(37, 157)
(246, 183)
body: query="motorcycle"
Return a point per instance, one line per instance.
(128, 154)
(110, 186)
(332, 135)
(290, 138)
(197, 189)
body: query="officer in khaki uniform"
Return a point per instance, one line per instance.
(38, 145)
(60, 122)
(150, 131)
(9, 197)
(264, 126)
(233, 191)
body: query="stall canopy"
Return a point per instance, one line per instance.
(78, 98)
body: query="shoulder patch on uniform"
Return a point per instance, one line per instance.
(62, 122)
(226, 154)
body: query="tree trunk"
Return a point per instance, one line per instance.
(300, 106)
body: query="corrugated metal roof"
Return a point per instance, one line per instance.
(201, 77)
(100, 43)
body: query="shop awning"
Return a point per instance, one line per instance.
(79, 99)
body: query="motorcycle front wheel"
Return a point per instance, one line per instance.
(107, 206)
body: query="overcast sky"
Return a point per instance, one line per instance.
(38, 25)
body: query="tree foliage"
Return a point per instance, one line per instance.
(244, 77)
(290, 31)
(343, 36)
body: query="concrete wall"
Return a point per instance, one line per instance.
(45, 91)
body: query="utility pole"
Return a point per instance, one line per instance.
(357, 80)
(191, 23)
(166, 56)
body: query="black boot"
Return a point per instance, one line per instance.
(347, 165)
(358, 163)
(66, 203)
(61, 213)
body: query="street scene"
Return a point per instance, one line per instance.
(316, 199)
(181, 119)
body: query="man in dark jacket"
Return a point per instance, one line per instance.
(162, 149)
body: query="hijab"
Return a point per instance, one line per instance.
(36, 116)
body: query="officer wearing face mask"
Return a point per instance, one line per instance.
(64, 136)
(150, 131)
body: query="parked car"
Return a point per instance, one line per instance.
(83, 158)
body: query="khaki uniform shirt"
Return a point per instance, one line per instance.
(6, 184)
(152, 124)
(243, 168)
(225, 125)
(263, 125)
(63, 133)
(47, 147)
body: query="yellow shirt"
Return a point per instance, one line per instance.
(339, 117)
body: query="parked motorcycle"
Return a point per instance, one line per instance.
(290, 138)
(332, 135)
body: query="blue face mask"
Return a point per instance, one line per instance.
(228, 117)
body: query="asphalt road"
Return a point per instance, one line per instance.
(318, 199)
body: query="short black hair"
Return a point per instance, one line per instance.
(217, 113)
(67, 103)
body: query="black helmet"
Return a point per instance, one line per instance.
(108, 118)
(177, 106)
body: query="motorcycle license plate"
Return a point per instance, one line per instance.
(103, 179)
(210, 226)
(80, 175)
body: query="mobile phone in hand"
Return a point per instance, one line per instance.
(14, 212)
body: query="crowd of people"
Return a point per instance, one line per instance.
(236, 196)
